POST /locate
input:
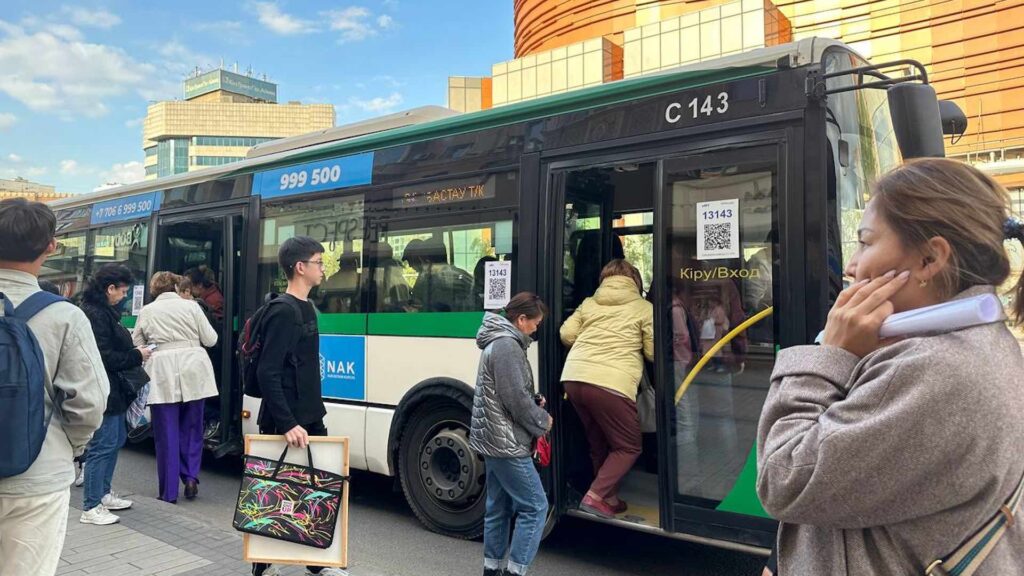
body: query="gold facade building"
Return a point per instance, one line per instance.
(22, 188)
(222, 116)
(973, 51)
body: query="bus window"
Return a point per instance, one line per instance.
(438, 269)
(124, 244)
(337, 223)
(714, 287)
(66, 266)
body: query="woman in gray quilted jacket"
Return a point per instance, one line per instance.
(508, 417)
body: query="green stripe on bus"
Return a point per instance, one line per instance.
(128, 322)
(742, 499)
(431, 324)
(352, 324)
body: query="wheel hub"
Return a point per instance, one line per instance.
(449, 469)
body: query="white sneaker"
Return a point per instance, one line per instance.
(328, 572)
(99, 516)
(112, 502)
(272, 571)
(80, 477)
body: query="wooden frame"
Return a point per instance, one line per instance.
(261, 549)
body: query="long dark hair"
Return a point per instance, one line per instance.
(109, 274)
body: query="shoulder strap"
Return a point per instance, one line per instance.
(35, 303)
(8, 307)
(969, 556)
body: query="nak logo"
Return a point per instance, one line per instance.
(337, 368)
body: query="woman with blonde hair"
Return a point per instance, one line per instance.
(181, 377)
(609, 336)
(886, 457)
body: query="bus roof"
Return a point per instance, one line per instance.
(727, 68)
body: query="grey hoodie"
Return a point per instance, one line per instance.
(506, 419)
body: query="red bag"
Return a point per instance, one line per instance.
(543, 452)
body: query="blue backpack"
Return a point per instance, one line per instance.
(23, 418)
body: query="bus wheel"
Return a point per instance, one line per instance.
(443, 480)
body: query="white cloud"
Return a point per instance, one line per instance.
(133, 122)
(46, 71)
(217, 26)
(385, 21)
(378, 105)
(12, 157)
(95, 18)
(69, 167)
(64, 31)
(7, 120)
(281, 23)
(126, 173)
(22, 171)
(353, 23)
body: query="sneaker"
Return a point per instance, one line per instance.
(80, 477)
(112, 502)
(597, 507)
(271, 571)
(99, 516)
(327, 572)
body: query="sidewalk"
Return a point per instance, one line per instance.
(153, 539)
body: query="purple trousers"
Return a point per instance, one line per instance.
(178, 435)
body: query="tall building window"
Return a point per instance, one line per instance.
(151, 151)
(228, 140)
(172, 156)
(214, 160)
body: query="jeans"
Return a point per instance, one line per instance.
(32, 530)
(513, 487)
(102, 457)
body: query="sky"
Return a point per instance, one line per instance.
(76, 78)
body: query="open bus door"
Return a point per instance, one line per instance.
(696, 476)
(210, 244)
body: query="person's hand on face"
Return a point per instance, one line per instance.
(855, 319)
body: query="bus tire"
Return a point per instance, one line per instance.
(442, 479)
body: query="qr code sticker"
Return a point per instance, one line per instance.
(718, 236)
(497, 291)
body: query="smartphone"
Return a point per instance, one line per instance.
(151, 347)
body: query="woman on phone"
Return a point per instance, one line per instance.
(883, 457)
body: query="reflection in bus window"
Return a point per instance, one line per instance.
(337, 223)
(437, 264)
(125, 244)
(717, 416)
(66, 266)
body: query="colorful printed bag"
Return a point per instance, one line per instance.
(289, 502)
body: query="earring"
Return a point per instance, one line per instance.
(922, 283)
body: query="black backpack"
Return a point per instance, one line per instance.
(250, 344)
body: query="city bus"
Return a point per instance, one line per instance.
(734, 186)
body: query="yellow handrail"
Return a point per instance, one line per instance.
(718, 346)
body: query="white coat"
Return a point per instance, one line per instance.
(179, 369)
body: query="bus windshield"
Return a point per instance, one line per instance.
(862, 142)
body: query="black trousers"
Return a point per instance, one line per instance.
(313, 429)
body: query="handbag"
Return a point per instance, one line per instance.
(646, 406)
(135, 378)
(289, 502)
(542, 453)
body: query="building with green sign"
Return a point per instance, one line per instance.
(221, 116)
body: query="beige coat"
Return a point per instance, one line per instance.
(609, 335)
(883, 464)
(179, 369)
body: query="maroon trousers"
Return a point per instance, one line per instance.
(612, 426)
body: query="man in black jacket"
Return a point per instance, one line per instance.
(289, 366)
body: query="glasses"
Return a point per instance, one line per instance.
(319, 263)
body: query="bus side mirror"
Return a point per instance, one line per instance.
(915, 119)
(954, 121)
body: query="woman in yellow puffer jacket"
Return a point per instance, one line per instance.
(609, 336)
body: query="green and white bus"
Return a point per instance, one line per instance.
(734, 185)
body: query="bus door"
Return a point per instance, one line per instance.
(719, 279)
(206, 247)
(603, 211)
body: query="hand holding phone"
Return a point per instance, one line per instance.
(151, 347)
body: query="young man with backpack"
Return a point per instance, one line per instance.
(287, 368)
(54, 394)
